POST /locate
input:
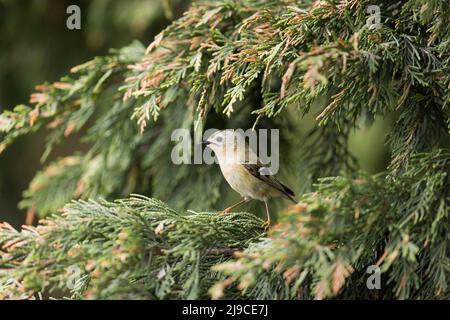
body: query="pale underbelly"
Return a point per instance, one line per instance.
(245, 183)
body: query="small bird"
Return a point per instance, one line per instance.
(244, 172)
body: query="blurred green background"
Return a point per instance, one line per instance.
(36, 46)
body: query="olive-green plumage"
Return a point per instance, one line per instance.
(243, 171)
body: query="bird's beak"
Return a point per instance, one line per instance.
(205, 142)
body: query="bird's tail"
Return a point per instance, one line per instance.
(289, 193)
(292, 199)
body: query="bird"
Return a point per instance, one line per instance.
(244, 172)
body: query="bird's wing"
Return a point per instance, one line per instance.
(255, 170)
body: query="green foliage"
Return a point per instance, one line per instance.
(135, 248)
(231, 64)
(324, 244)
(140, 248)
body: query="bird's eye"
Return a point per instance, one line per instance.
(219, 139)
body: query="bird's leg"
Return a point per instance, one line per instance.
(267, 223)
(228, 210)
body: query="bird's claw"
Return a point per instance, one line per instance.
(266, 225)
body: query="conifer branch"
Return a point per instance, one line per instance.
(239, 64)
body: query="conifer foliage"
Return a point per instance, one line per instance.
(244, 63)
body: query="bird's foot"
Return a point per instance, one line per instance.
(266, 225)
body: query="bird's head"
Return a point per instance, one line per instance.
(230, 145)
(223, 140)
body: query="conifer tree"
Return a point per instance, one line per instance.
(120, 220)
